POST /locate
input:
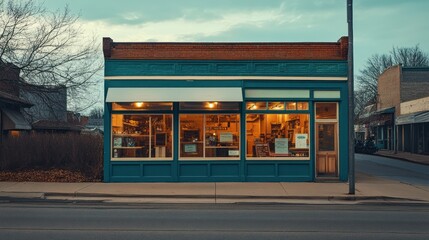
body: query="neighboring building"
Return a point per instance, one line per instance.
(25, 107)
(12, 122)
(225, 111)
(401, 120)
(50, 103)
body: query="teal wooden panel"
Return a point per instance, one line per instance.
(193, 170)
(296, 68)
(126, 170)
(261, 170)
(194, 68)
(157, 170)
(222, 68)
(224, 170)
(266, 67)
(294, 170)
(324, 68)
(232, 68)
(162, 68)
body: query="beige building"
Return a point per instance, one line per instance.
(403, 110)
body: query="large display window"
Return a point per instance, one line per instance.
(277, 136)
(209, 136)
(142, 137)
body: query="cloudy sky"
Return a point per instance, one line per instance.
(379, 24)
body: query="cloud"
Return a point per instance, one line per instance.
(131, 16)
(184, 29)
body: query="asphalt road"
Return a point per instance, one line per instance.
(39, 221)
(394, 169)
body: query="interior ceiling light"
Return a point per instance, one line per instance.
(138, 104)
(211, 104)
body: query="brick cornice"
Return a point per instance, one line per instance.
(226, 51)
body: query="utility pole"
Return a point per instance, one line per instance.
(351, 98)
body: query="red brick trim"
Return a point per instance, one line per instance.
(226, 51)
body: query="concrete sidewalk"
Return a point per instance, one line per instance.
(368, 188)
(411, 157)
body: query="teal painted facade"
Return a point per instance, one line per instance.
(228, 170)
(225, 68)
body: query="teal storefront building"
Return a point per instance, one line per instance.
(212, 112)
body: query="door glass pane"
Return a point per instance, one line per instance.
(326, 133)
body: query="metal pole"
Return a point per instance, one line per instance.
(351, 98)
(395, 133)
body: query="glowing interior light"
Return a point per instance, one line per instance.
(138, 104)
(211, 105)
(253, 107)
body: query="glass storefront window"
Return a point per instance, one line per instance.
(278, 136)
(256, 105)
(142, 136)
(139, 106)
(221, 136)
(302, 106)
(191, 135)
(290, 105)
(276, 106)
(326, 110)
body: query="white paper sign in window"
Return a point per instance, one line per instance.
(281, 146)
(301, 140)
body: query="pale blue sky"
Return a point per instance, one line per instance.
(379, 24)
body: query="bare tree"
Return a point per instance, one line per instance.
(96, 113)
(50, 49)
(377, 64)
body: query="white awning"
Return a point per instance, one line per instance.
(208, 94)
(14, 120)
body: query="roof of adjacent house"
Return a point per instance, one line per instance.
(226, 51)
(14, 100)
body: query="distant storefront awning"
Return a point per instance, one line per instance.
(14, 120)
(385, 111)
(419, 117)
(230, 94)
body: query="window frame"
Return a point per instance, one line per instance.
(203, 157)
(278, 112)
(149, 158)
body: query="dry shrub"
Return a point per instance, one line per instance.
(44, 151)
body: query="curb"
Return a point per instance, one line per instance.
(241, 197)
(105, 198)
(20, 195)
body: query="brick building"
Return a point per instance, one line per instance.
(225, 111)
(403, 107)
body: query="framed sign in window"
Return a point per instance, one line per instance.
(262, 150)
(190, 148)
(226, 137)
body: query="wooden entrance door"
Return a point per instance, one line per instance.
(326, 150)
